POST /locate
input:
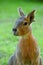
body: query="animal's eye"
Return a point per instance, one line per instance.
(25, 23)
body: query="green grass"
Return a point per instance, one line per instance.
(8, 15)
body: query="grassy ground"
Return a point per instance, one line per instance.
(8, 15)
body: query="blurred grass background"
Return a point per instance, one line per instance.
(8, 15)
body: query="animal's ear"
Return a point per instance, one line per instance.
(20, 11)
(30, 16)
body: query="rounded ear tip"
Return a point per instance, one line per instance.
(19, 8)
(34, 10)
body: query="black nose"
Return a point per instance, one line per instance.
(14, 29)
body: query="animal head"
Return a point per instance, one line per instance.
(23, 23)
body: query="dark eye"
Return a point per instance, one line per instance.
(25, 23)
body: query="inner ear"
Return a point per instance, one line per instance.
(21, 12)
(30, 16)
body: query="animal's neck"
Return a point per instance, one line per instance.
(28, 46)
(28, 39)
(28, 35)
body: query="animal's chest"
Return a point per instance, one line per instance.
(27, 52)
(28, 49)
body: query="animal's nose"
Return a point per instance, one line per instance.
(14, 29)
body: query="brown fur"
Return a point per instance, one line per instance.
(27, 52)
(28, 46)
